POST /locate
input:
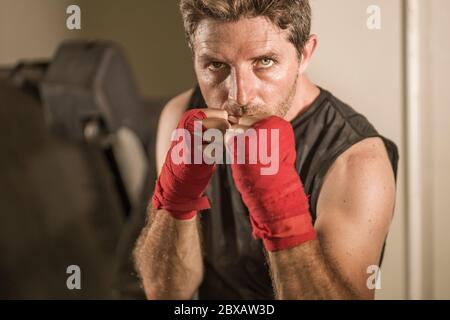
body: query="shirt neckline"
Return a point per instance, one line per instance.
(317, 103)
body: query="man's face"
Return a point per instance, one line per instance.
(246, 67)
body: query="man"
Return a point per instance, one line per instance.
(311, 230)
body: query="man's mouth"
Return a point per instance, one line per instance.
(234, 119)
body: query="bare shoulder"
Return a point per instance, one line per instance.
(360, 180)
(367, 162)
(367, 159)
(168, 121)
(174, 109)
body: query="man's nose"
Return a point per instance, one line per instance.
(241, 87)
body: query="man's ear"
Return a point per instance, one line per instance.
(308, 51)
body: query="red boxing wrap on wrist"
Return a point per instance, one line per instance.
(277, 204)
(180, 186)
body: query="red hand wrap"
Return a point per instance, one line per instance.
(179, 188)
(277, 204)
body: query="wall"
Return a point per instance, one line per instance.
(152, 33)
(438, 99)
(31, 29)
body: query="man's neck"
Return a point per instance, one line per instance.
(307, 93)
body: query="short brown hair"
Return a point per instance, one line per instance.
(294, 15)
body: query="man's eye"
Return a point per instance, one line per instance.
(265, 62)
(215, 66)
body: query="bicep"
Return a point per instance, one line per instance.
(355, 209)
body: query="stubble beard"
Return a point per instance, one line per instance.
(280, 110)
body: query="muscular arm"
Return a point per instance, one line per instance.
(168, 257)
(167, 253)
(354, 213)
(304, 272)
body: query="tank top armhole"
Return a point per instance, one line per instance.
(196, 100)
(391, 151)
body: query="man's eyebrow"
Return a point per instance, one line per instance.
(268, 54)
(207, 57)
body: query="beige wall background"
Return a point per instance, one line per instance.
(437, 147)
(150, 31)
(363, 67)
(31, 29)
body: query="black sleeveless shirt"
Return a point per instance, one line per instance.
(234, 262)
